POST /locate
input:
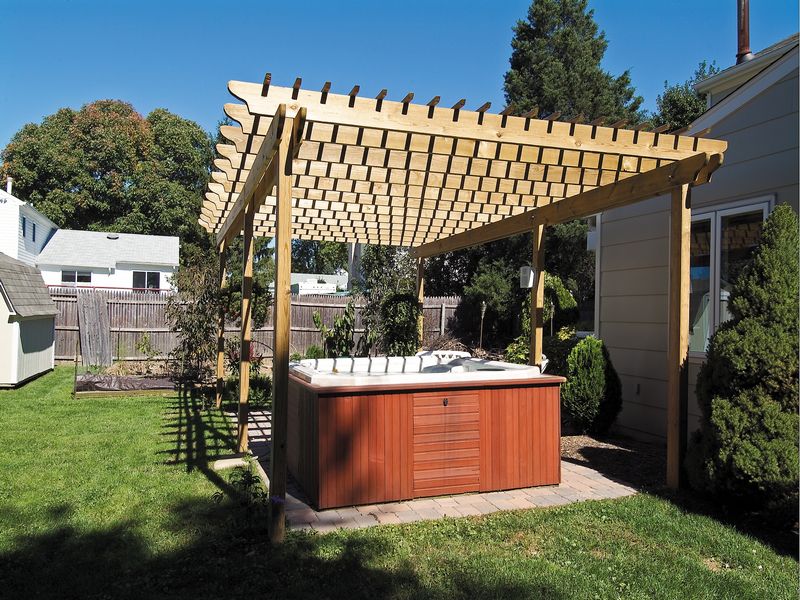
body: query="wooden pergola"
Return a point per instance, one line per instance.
(314, 165)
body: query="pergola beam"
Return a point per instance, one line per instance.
(693, 170)
(678, 327)
(369, 113)
(260, 178)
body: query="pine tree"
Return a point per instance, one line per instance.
(555, 65)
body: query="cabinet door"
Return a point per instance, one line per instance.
(446, 443)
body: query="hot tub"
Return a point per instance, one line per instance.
(366, 430)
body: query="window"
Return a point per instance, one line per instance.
(75, 277)
(722, 244)
(24, 223)
(146, 280)
(33, 231)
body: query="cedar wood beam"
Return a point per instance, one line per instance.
(694, 170)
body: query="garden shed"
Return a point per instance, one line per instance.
(27, 323)
(312, 164)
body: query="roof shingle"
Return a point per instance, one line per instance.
(24, 288)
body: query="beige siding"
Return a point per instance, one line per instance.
(35, 350)
(8, 346)
(762, 159)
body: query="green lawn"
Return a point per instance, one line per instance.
(113, 498)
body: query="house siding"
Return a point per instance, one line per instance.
(35, 347)
(27, 248)
(762, 159)
(9, 341)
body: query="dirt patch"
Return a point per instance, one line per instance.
(598, 554)
(628, 461)
(712, 564)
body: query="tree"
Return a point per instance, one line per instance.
(747, 390)
(386, 272)
(263, 277)
(105, 167)
(679, 104)
(566, 256)
(309, 256)
(555, 65)
(192, 313)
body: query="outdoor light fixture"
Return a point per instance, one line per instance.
(527, 275)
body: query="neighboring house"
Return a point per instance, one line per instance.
(109, 260)
(754, 106)
(27, 323)
(24, 231)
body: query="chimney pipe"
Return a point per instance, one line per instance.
(743, 25)
(9, 185)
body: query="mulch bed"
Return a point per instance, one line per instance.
(628, 461)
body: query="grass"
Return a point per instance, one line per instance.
(113, 498)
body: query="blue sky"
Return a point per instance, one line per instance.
(179, 54)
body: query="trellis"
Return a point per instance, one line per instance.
(347, 168)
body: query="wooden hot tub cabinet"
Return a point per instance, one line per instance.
(362, 445)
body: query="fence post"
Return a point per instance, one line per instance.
(442, 319)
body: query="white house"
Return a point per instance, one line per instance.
(109, 260)
(24, 231)
(27, 323)
(753, 105)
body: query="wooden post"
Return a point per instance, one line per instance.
(420, 299)
(280, 360)
(537, 296)
(223, 282)
(248, 251)
(678, 323)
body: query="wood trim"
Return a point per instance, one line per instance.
(678, 337)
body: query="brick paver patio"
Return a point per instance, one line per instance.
(577, 483)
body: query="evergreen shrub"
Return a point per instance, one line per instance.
(746, 449)
(592, 395)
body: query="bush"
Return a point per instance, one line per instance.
(746, 448)
(398, 325)
(338, 340)
(192, 313)
(557, 348)
(592, 395)
(315, 352)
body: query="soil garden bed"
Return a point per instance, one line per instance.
(89, 382)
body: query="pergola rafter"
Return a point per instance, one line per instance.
(347, 168)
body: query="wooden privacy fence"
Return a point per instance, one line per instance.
(133, 314)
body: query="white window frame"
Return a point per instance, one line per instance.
(715, 214)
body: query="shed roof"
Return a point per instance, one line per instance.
(100, 249)
(24, 290)
(386, 172)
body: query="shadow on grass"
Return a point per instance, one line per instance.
(229, 557)
(197, 435)
(643, 466)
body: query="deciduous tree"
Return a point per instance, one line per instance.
(106, 167)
